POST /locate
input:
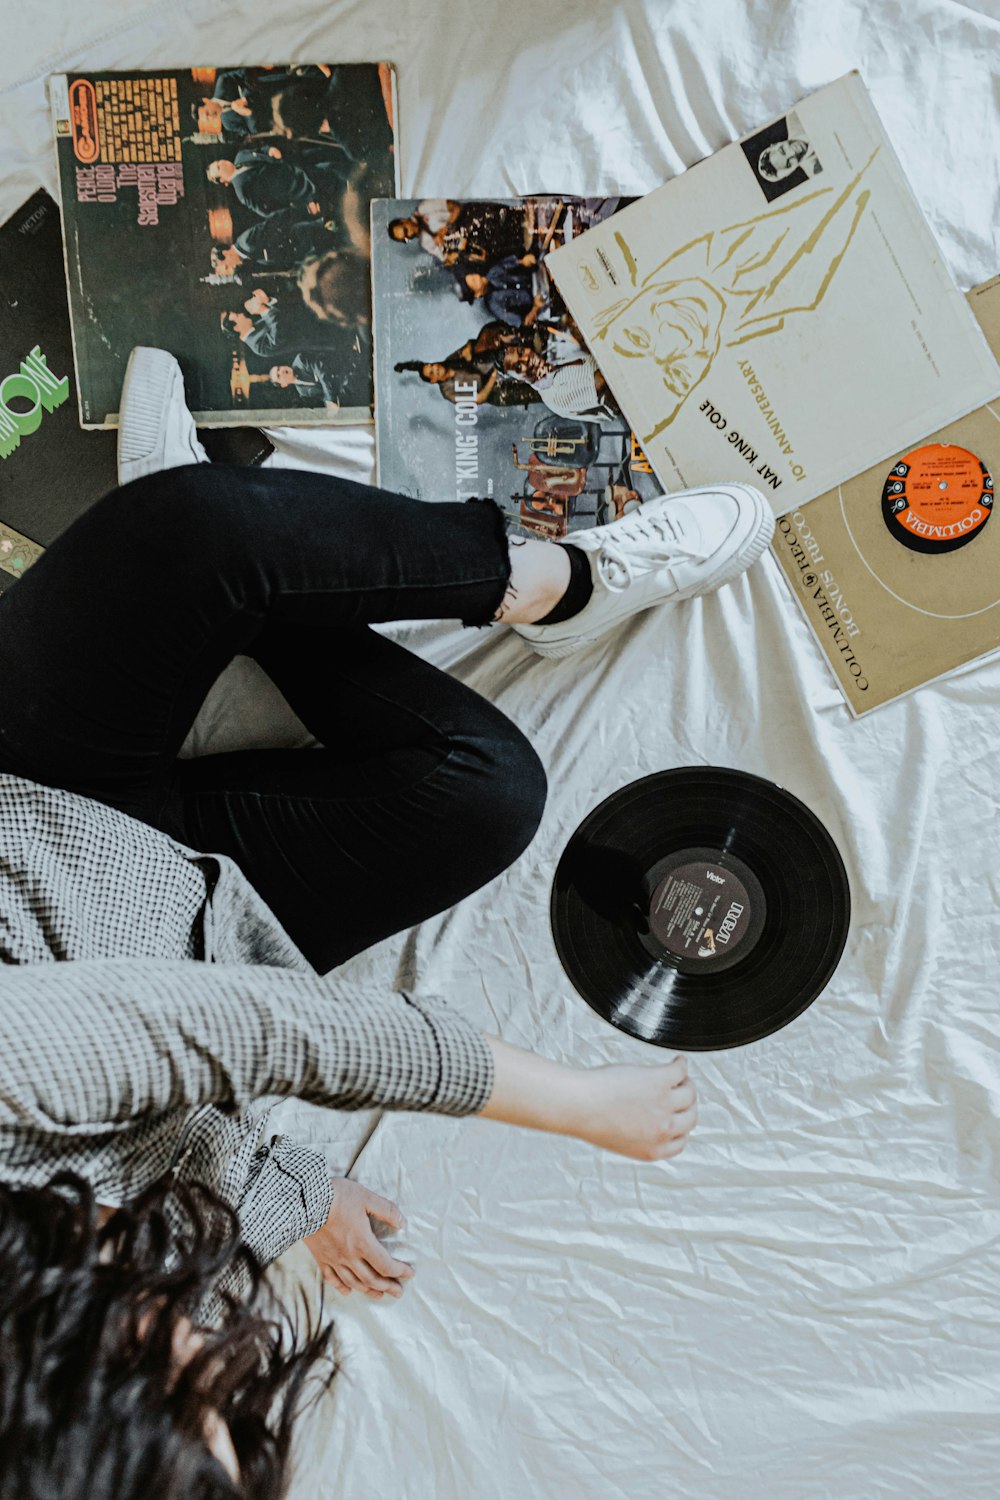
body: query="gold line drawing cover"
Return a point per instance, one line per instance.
(780, 312)
(223, 214)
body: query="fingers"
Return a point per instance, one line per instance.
(675, 1138)
(685, 1121)
(380, 1284)
(676, 1071)
(350, 1278)
(672, 1148)
(363, 1277)
(381, 1208)
(332, 1279)
(359, 1278)
(682, 1096)
(385, 1264)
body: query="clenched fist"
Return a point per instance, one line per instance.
(642, 1111)
(646, 1112)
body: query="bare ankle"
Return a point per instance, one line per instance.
(539, 576)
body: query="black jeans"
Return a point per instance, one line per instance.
(422, 792)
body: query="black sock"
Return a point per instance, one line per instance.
(579, 590)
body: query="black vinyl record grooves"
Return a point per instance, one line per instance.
(700, 908)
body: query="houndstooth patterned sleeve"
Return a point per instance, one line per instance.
(287, 1195)
(94, 1046)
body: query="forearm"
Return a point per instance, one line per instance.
(98, 1044)
(534, 1091)
(92, 1046)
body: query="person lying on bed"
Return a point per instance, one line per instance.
(154, 994)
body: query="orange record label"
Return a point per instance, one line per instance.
(937, 498)
(83, 120)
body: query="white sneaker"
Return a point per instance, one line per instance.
(673, 548)
(155, 429)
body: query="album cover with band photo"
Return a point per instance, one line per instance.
(50, 470)
(780, 312)
(485, 386)
(897, 570)
(223, 214)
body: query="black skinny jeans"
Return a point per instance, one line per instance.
(422, 792)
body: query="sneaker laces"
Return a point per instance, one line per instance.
(651, 541)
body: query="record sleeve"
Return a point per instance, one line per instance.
(897, 570)
(50, 470)
(780, 312)
(485, 387)
(222, 213)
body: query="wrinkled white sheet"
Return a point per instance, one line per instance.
(804, 1305)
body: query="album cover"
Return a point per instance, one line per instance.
(50, 470)
(780, 312)
(898, 570)
(485, 385)
(223, 214)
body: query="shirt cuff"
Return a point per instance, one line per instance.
(459, 1079)
(289, 1196)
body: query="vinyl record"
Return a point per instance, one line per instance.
(700, 908)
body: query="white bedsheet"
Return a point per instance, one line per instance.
(804, 1305)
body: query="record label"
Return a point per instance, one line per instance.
(937, 498)
(699, 911)
(704, 904)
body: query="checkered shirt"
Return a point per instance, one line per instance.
(151, 998)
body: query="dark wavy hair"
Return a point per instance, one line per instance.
(94, 1403)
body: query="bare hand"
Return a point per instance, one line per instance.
(346, 1249)
(640, 1111)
